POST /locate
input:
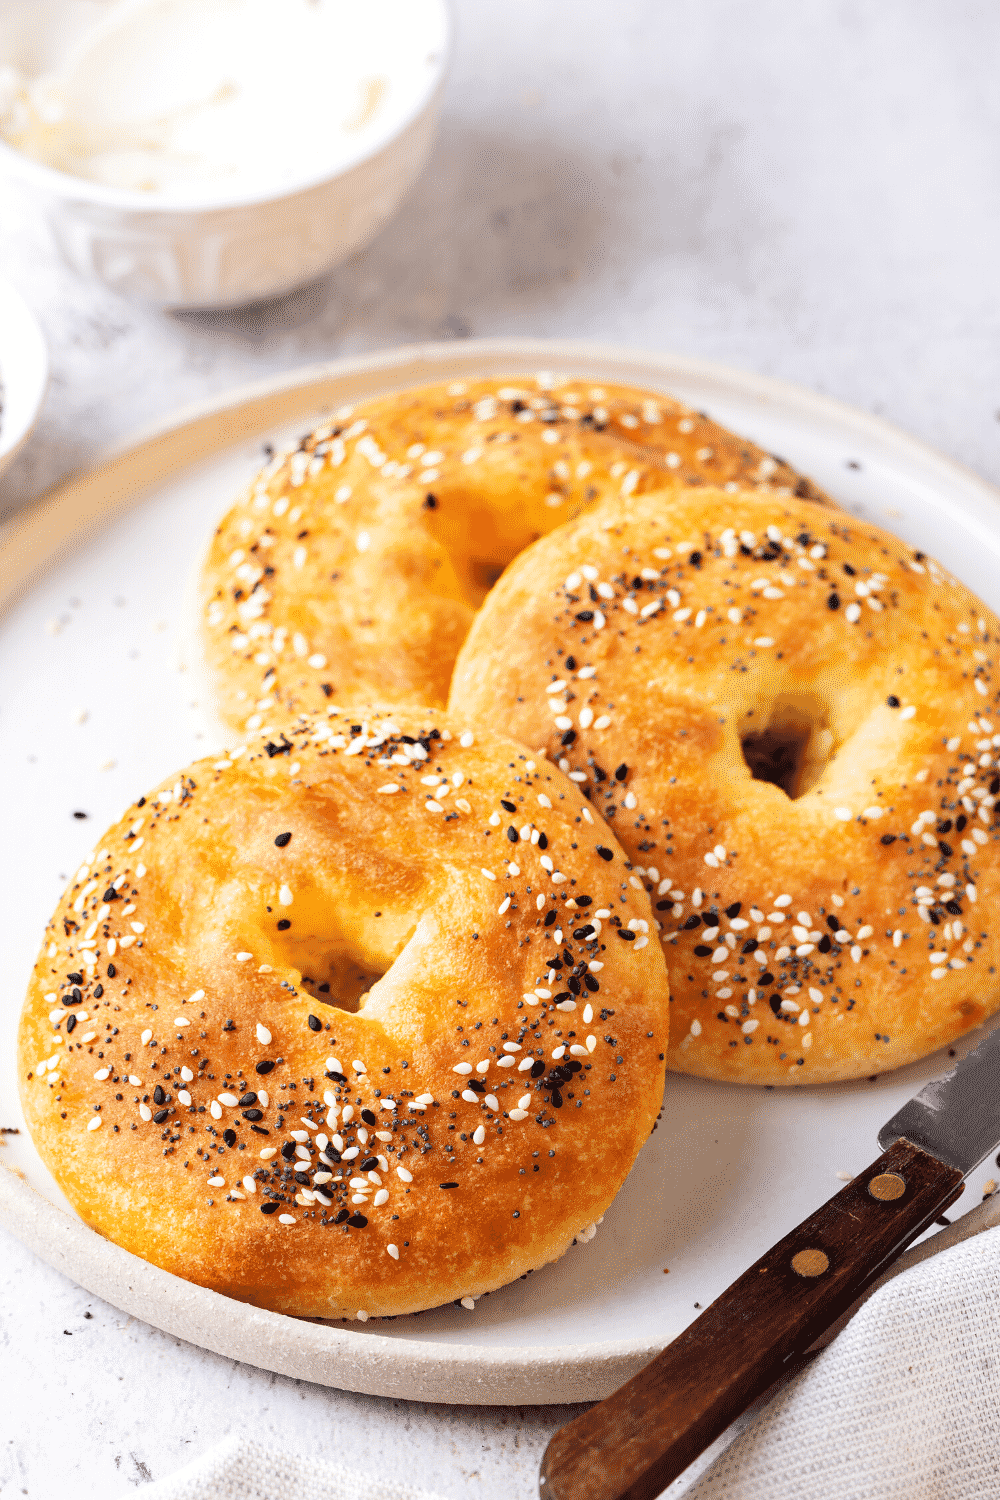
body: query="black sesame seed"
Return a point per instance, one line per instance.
(892, 701)
(356, 1221)
(833, 602)
(734, 910)
(591, 983)
(288, 1150)
(568, 737)
(248, 1098)
(229, 1136)
(112, 971)
(283, 839)
(585, 615)
(887, 839)
(512, 834)
(368, 1163)
(571, 663)
(702, 950)
(447, 1184)
(543, 841)
(98, 991)
(284, 925)
(604, 853)
(160, 1116)
(621, 772)
(537, 1068)
(550, 918)
(507, 806)
(253, 1114)
(75, 978)
(692, 921)
(629, 937)
(158, 1095)
(369, 1117)
(269, 1208)
(315, 1024)
(342, 1217)
(265, 1065)
(70, 1023)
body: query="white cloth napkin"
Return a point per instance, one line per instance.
(903, 1404)
(243, 1469)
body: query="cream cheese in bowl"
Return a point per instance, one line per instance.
(211, 152)
(217, 98)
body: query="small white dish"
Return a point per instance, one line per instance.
(24, 371)
(195, 245)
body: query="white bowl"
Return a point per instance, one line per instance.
(24, 371)
(200, 253)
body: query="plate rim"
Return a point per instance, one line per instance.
(38, 535)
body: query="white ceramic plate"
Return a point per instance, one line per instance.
(93, 581)
(24, 371)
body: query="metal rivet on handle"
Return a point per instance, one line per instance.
(886, 1187)
(810, 1262)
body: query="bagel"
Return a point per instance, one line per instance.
(352, 568)
(304, 958)
(787, 716)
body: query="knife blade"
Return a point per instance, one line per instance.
(955, 1117)
(633, 1444)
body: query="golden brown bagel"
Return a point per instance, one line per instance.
(835, 918)
(352, 569)
(170, 990)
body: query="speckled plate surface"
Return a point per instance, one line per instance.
(95, 710)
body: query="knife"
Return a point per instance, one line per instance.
(630, 1446)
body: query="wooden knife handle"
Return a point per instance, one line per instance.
(630, 1446)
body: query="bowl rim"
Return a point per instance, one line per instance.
(66, 186)
(24, 370)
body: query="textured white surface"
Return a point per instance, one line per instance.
(807, 191)
(903, 1406)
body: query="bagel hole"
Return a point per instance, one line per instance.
(792, 747)
(484, 573)
(337, 980)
